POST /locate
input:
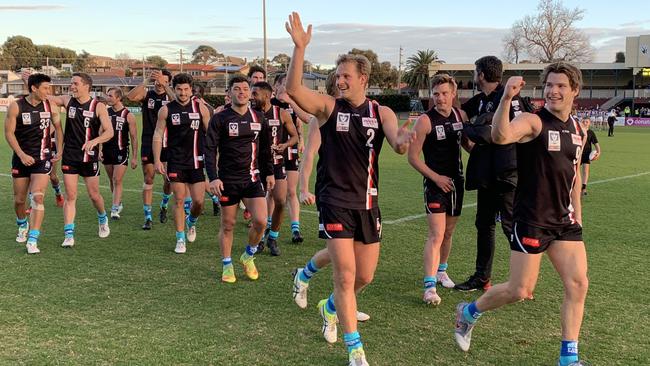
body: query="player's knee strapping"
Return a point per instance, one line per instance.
(147, 187)
(37, 205)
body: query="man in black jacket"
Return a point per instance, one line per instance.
(491, 169)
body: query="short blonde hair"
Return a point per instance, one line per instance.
(439, 79)
(361, 61)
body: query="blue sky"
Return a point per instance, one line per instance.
(459, 31)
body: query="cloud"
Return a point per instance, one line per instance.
(44, 7)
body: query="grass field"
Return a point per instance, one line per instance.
(129, 299)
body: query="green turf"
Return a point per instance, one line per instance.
(129, 299)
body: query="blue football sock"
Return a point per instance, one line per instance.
(33, 236)
(568, 352)
(330, 308)
(191, 220)
(295, 226)
(430, 282)
(251, 250)
(147, 212)
(269, 220)
(309, 270)
(471, 313)
(274, 234)
(68, 230)
(165, 200)
(115, 207)
(180, 235)
(187, 204)
(352, 341)
(101, 217)
(214, 198)
(57, 189)
(21, 222)
(442, 267)
(226, 261)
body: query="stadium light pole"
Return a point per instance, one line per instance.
(264, 25)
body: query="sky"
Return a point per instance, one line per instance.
(459, 31)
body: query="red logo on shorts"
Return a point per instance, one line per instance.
(334, 227)
(14, 171)
(173, 175)
(224, 199)
(144, 158)
(434, 205)
(65, 167)
(531, 242)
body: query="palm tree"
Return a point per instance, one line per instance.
(417, 68)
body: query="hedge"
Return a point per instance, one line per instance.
(396, 102)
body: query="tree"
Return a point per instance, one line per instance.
(620, 57)
(388, 75)
(550, 35)
(81, 62)
(123, 60)
(22, 51)
(282, 61)
(128, 73)
(417, 68)
(514, 46)
(157, 61)
(205, 54)
(7, 61)
(55, 56)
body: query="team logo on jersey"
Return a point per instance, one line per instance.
(27, 118)
(72, 112)
(151, 103)
(489, 107)
(176, 119)
(274, 122)
(343, 122)
(440, 133)
(256, 126)
(577, 139)
(554, 141)
(369, 122)
(233, 129)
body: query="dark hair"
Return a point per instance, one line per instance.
(561, 67)
(166, 72)
(279, 78)
(330, 84)
(118, 92)
(491, 67)
(237, 79)
(264, 86)
(85, 78)
(198, 90)
(256, 68)
(36, 80)
(182, 78)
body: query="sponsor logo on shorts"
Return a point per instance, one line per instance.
(531, 242)
(334, 227)
(145, 158)
(65, 167)
(434, 205)
(173, 175)
(224, 199)
(15, 171)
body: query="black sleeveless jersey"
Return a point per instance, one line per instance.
(348, 169)
(81, 126)
(277, 132)
(242, 144)
(441, 147)
(33, 125)
(547, 168)
(291, 153)
(151, 104)
(120, 139)
(185, 135)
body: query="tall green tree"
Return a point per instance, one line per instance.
(55, 56)
(22, 51)
(417, 68)
(81, 62)
(157, 60)
(204, 54)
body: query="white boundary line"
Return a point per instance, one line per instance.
(402, 219)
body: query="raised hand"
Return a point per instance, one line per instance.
(297, 31)
(513, 86)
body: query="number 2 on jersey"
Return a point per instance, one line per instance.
(371, 136)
